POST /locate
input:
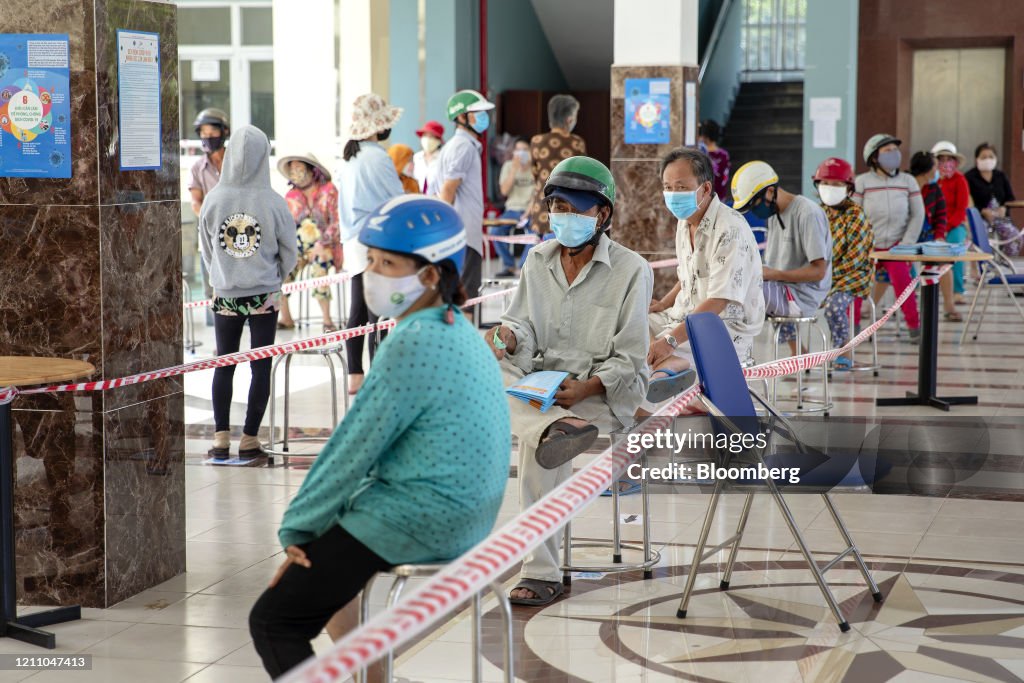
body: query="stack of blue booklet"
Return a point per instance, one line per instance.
(940, 248)
(538, 388)
(906, 249)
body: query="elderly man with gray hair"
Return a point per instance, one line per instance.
(719, 271)
(547, 150)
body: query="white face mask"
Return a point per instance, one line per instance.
(390, 297)
(987, 165)
(832, 195)
(429, 144)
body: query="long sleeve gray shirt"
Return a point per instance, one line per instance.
(893, 206)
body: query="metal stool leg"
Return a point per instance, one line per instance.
(287, 396)
(799, 374)
(741, 526)
(364, 616)
(824, 370)
(645, 502)
(567, 554)
(477, 640)
(393, 595)
(874, 337)
(616, 529)
(273, 406)
(775, 356)
(506, 621)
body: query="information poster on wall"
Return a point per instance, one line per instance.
(648, 111)
(35, 106)
(138, 94)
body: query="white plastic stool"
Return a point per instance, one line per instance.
(823, 405)
(400, 575)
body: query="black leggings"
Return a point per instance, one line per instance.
(288, 616)
(359, 314)
(228, 329)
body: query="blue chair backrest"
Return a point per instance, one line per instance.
(718, 365)
(979, 230)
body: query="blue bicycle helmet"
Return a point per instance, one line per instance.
(414, 224)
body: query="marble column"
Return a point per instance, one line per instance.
(644, 47)
(92, 270)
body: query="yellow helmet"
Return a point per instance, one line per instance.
(751, 178)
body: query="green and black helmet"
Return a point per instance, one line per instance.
(583, 173)
(466, 101)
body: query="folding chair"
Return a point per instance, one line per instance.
(728, 399)
(988, 281)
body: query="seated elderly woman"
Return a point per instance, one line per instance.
(581, 308)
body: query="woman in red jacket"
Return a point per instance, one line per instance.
(958, 197)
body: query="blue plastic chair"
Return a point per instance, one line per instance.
(730, 406)
(992, 276)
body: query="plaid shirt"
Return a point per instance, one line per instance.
(851, 243)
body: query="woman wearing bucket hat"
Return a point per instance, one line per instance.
(892, 202)
(957, 194)
(366, 179)
(313, 201)
(417, 470)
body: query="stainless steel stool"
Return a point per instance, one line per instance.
(651, 556)
(491, 283)
(400, 575)
(823, 405)
(328, 353)
(190, 322)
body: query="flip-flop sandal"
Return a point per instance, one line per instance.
(330, 328)
(563, 443)
(283, 326)
(672, 384)
(219, 453)
(551, 589)
(953, 316)
(842, 364)
(633, 487)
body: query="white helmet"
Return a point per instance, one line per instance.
(751, 178)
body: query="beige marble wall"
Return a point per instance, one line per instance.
(642, 222)
(92, 270)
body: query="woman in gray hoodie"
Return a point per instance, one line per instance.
(247, 240)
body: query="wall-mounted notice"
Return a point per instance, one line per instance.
(35, 106)
(138, 95)
(648, 111)
(824, 113)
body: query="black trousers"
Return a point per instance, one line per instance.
(472, 273)
(359, 314)
(288, 616)
(228, 329)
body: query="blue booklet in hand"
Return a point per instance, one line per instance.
(538, 388)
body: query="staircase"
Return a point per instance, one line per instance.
(766, 124)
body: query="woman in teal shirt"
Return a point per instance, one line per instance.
(416, 472)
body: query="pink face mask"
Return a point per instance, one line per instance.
(947, 168)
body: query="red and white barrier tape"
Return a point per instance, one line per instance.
(500, 551)
(289, 288)
(514, 239)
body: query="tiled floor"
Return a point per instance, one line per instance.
(952, 569)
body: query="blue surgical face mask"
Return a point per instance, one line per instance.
(481, 121)
(572, 229)
(935, 177)
(890, 161)
(682, 204)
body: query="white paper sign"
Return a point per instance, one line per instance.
(823, 133)
(690, 104)
(205, 70)
(138, 90)
(826, 108)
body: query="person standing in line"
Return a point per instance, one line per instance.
(547, 150)
(313, 201)
(366, 179)
(247, 241)
(424, 162)
(401, 156)
(213, 128)
(516, 184)
(958, 197)
(460, 177)
(892, 202)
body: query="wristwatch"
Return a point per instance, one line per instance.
(672, 341)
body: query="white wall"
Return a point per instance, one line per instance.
(655, 32)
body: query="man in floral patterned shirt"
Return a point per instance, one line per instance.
(719, 270)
